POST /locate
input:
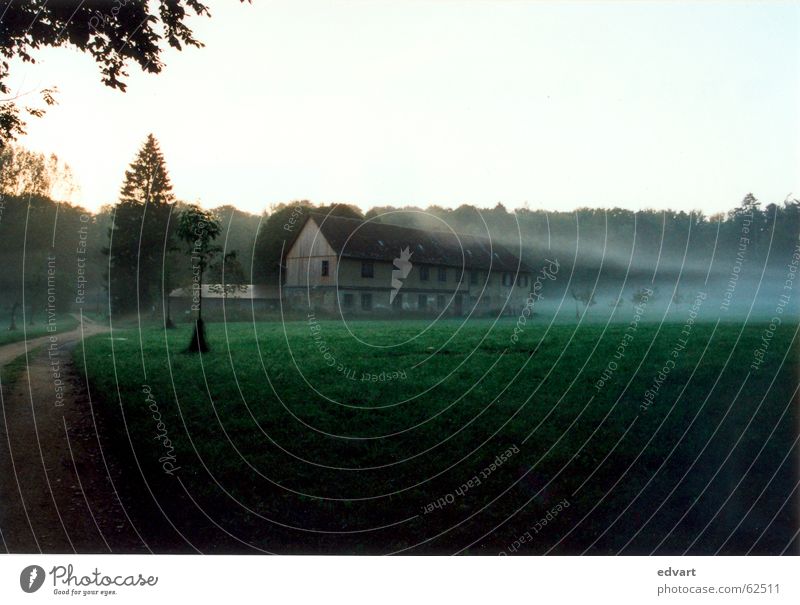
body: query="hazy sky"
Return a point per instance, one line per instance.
(448, 102)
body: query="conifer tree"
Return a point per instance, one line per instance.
(140, 233)
(147, 180)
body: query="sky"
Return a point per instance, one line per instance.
(546, 105)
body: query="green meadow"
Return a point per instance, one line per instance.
(64, 323)
(381, 436)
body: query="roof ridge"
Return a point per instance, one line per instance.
(383, 241)
(458, 234)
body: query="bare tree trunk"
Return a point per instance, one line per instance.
(199, 343)
(12, 326)
(169, 324)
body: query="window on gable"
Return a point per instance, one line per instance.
(367, 268)
(325, 268)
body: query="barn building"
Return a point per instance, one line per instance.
(364, 267)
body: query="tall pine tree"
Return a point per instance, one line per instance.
(141, 234)
(147, 180)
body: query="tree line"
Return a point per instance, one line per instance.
(128, 257)
(125, 259)
(585, 240)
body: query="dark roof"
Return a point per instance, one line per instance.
(369, 240)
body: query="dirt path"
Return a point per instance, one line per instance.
(10, 352)
(56, 487)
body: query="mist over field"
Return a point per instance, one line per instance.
(743, 261)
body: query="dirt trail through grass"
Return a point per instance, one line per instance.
(56, 488)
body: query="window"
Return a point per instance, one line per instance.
(325, 267)
(367, 268)
(366, 302)
(440, 302)
(424, 273)
(422, 303)
(525, 280)
(508, 279)
(442, 274)
(397, 303)
(348, 301)
(474, 277)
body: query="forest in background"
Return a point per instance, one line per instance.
(47, 244)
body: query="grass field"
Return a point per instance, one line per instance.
(64, 323)
(387, 436)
